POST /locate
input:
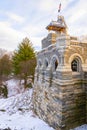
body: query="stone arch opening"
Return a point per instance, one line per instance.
(76, 61)
(54, 63)
(46, 63)
(76, 64)
(76, 55)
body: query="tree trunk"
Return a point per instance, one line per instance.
(25, 82)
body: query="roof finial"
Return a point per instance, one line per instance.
(59, 7)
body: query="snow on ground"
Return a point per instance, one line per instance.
(83, 127)
(24, 121)
(14, 87)
(20, 102)
(16, 111)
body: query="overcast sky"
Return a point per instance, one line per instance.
(28, 18)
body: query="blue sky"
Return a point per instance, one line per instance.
(29, 18)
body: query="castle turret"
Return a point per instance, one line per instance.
(60, 84)
(56, 29)
(58, 26)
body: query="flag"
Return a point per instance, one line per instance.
(59, 7)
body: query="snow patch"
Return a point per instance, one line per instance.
(83, 127)
(14, 87)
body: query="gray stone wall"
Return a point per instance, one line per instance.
(62, 106)
(50, 39)
(60, 95)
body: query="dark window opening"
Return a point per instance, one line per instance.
(74, 65)
(56, 64)
(46, 63)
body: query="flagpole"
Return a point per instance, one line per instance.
(59, 9)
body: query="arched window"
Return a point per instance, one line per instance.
(46, 63)
(56, 64)
(75, 65)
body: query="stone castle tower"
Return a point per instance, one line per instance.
(60, 86)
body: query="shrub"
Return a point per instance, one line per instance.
(3, 91)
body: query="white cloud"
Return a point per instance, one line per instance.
(9, 37)
(33, 30)
(77, 12)
(35, 34)
(15, 17)
(4, 24)
(76, 16)
(46, 5)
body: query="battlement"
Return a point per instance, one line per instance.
(50, 39)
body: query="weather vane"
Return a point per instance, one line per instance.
(59, 7)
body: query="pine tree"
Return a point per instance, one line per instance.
(24, 60)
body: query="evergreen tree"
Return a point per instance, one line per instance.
(24, 60)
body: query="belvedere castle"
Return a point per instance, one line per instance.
(60, 85)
